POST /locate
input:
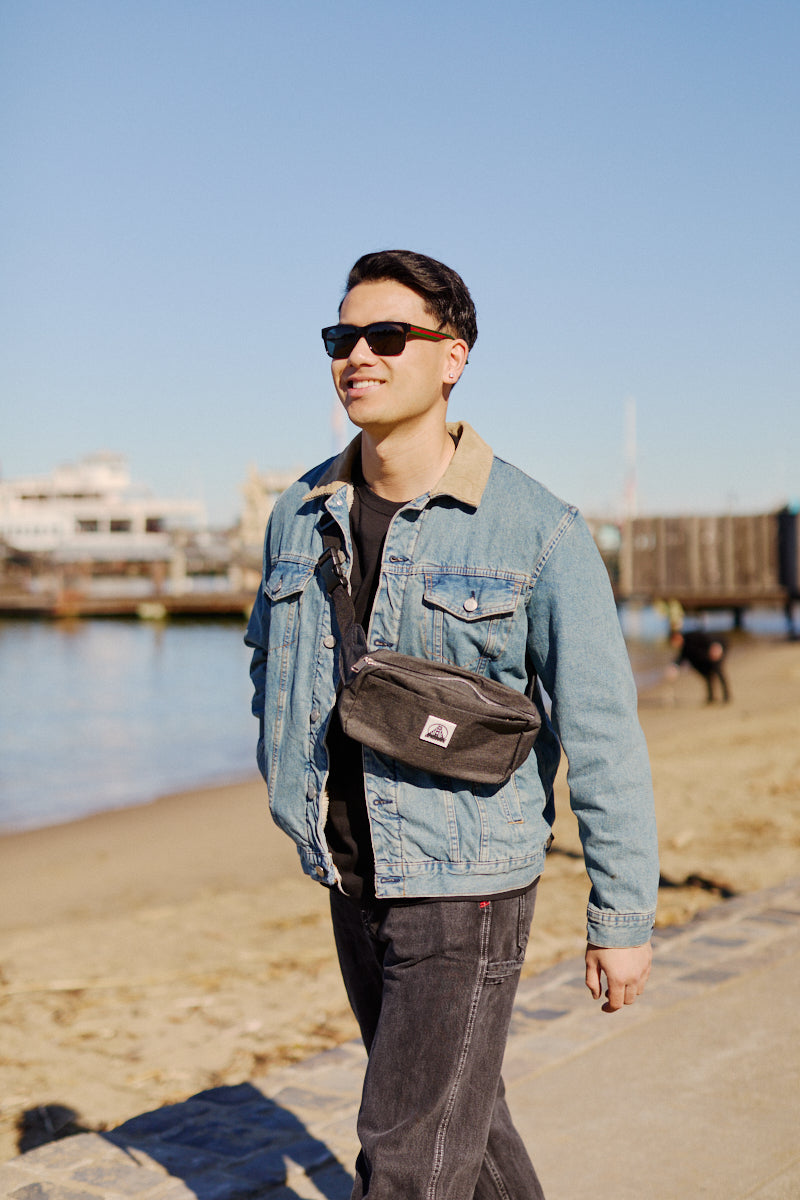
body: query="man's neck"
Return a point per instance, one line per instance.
(406, 463)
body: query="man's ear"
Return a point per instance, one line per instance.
(455, 361)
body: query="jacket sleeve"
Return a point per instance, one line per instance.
(257, 638)
(576, 644)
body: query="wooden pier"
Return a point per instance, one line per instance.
(75, 605)
(705, 563)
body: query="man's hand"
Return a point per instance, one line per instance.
(626, 970)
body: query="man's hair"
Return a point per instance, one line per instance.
(446, 296)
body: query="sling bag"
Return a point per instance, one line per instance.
(436, 717)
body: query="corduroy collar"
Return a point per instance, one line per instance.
(465, 478)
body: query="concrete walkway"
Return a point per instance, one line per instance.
(692, 1092)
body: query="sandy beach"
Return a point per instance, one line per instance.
(152, 952)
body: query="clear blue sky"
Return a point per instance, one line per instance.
(184, 184)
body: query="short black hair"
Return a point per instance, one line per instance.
(445, 294)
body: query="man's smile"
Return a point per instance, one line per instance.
(361, 385)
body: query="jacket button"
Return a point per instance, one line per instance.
(320, 871)
(470, 604)
(329, 642)
(312, 790)
(313, 716)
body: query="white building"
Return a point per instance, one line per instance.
(90, 511)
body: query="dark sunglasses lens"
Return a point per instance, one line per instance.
(340, 340)
(386, 339)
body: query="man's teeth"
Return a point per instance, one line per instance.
(361, 384)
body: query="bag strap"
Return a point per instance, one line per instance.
(331, 566)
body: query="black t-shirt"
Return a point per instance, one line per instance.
(347, 827)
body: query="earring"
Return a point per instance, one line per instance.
(452, 375)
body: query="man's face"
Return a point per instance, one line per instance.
(382, 394)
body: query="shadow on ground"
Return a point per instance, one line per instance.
(227, 1143)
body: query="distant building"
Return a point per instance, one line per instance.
(90, 511)
(260, 491)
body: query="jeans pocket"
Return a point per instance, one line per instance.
(511, 927)
(499, 972)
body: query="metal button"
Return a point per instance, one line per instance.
(470, 604)
(312, 790)
(329, 642)
(313, 716)
(320, 871)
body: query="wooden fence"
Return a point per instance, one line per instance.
(710, 562)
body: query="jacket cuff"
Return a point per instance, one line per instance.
(613, 929)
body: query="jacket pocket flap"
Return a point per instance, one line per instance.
(288, 577)
(471, 597)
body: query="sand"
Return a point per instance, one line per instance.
(150, 953)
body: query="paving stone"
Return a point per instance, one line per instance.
(218, 1138)
(49, 1191)
(162, 1119)
(229, 1095)
(778, 916)
(308, 1104)
(330, 1182)
(169, 1157)
(219, 1185)
(128, 1180)
(67, 1152)
(711, 975)
(269, 1169)
(12, 1175)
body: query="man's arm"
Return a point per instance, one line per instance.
(626, 969)
(576, 643)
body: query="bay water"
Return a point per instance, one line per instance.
(103, 714)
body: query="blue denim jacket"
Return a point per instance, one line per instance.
(489, 571)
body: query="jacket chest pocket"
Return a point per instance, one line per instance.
(468, 616)
(284, 589)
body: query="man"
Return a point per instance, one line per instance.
(705, 654)
(455, 556)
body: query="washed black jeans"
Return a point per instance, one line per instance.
(432, 986)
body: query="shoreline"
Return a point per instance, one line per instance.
(649, 682)
(213, 783)
(151, 951)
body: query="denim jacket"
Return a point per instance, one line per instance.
(490, 571)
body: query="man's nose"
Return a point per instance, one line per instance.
(361, 351)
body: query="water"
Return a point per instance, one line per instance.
(106, 714)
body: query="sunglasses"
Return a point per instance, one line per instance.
(385, 338)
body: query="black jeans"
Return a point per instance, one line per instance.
(432, 986)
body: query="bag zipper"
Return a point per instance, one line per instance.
(368, 661)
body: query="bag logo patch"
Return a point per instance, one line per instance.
(437, 731)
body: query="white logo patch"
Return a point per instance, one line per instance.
(437, 731)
